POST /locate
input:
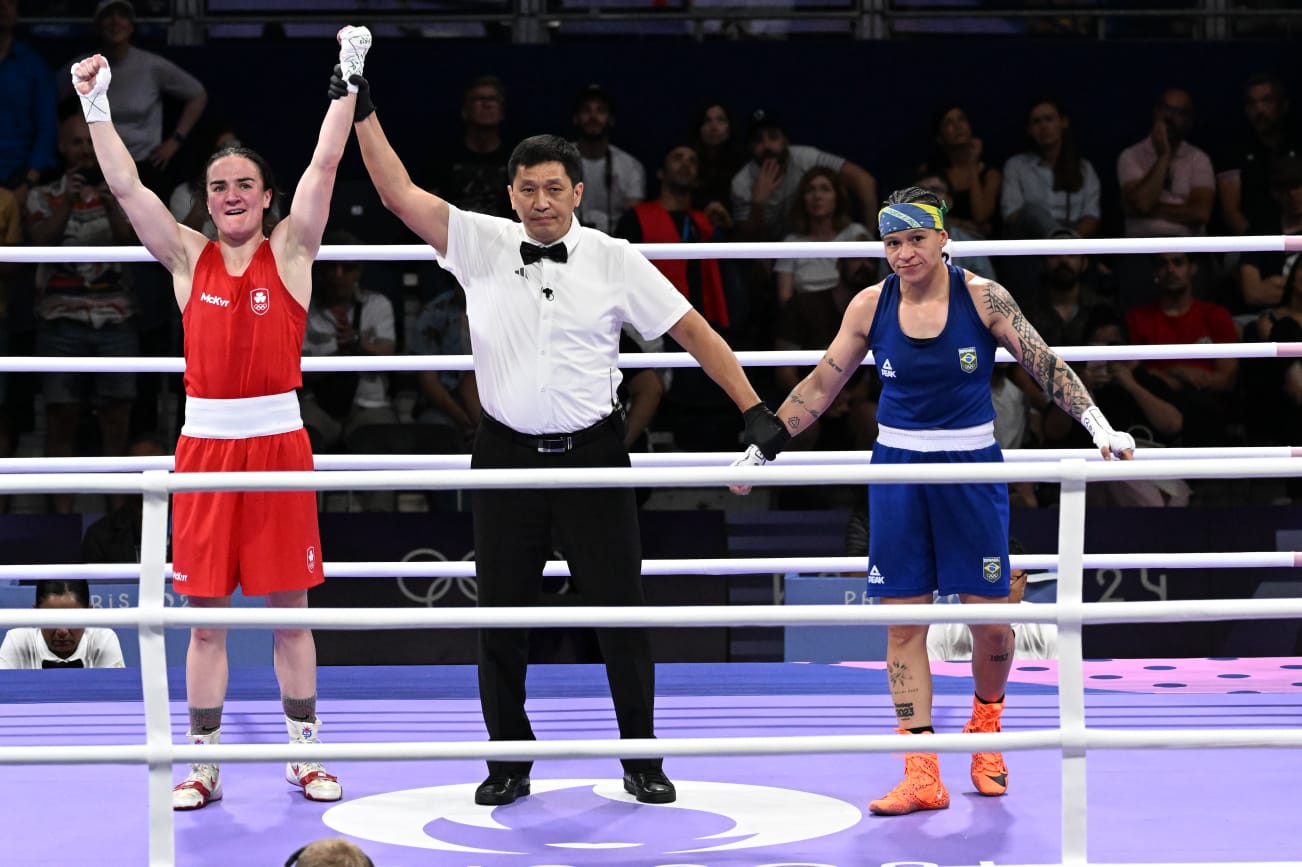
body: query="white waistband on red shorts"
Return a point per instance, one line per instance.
(241, 417)
(963, 439)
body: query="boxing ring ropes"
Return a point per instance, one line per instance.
(1072, 470)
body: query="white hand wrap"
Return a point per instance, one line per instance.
(1103, 434)
(94, 105)
(753, 458)
(354, 42)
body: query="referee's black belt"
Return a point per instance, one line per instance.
(550, 444)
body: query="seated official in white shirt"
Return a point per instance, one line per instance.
(61, 646)
(952, 642)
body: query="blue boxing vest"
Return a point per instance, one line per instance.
(942, 383)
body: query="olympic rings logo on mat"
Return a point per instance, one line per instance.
(755, 817)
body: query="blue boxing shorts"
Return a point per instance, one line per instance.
(943, 537)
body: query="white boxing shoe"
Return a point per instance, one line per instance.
(204, 784)
(311, 777)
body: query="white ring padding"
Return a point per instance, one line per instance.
(747, 358)
(742, 250)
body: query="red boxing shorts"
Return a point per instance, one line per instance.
(260, 541)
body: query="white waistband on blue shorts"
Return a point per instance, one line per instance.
(963, 439)
(241, 417)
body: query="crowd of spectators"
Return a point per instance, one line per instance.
(729, 177)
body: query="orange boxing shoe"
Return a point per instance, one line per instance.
(921, 788)
(989, 773)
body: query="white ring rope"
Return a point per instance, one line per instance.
(617, 477)
(677, 615)
(39, 466)
(635, 748)
(747, 358)
(1072, 737)
(699, 566)
(742, 250)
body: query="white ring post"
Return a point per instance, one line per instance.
(153, 668)
(1071, 661)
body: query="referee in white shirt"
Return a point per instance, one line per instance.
(546, 299)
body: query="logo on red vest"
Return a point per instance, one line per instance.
(311, 559)
(260, 301)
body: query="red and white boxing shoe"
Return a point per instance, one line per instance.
(204, 784)
(311, 777)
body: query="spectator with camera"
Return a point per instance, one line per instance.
(82, 308)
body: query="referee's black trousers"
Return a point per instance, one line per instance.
(597, 531)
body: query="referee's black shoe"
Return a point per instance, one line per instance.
(501, 789)
(650, 787)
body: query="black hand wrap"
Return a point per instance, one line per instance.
(339, 89)
(765, 431)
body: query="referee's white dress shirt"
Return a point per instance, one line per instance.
(545, 336)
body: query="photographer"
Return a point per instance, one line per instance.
(82, 308)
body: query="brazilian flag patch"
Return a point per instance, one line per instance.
(967, 359)
(991, 569)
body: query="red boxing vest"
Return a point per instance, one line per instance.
(659, 228)
(243, 335)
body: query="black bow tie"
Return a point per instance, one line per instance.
(531, 253)
(50, 663)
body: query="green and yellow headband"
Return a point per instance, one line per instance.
(912, 215)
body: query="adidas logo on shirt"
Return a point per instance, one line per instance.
(875, 577)
(214, 299)
(519, 272)
(887, 371)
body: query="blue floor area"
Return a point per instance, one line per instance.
(459, 681)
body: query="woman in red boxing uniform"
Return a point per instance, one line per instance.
(244, 304)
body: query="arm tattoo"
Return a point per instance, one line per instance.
(793, 422)
(999, 657)
(904, 710)
(1025, 344)
(831, 362)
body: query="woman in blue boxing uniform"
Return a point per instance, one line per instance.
(933, 330)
